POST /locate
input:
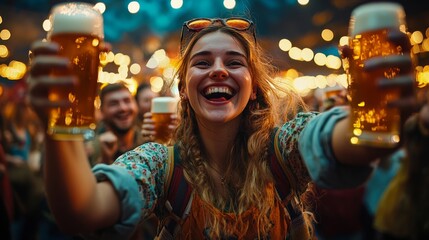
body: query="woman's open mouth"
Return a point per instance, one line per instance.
(218, 93)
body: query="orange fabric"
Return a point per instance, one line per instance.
(194, 226)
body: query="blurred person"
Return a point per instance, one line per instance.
(144, 96)
(20, 140)
(6, 194)
(313, 99)
(403, 208)
(25, 152)
(398, 201)
(376, 186)
(332, 97)
(227, 116)
(117, 132)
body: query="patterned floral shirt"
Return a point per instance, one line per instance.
(139, 175)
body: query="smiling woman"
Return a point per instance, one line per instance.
(212, 68)
(234, 130)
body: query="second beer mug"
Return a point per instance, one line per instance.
(78, 29)
(373, 123)
(162, 109)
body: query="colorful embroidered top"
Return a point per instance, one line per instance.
(139, 175)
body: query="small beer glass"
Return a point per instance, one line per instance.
(162, 109)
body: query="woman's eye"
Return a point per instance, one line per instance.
(201, 63)
(235, 63)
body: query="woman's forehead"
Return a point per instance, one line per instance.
(217, 41)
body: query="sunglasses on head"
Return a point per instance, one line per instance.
(195, 25)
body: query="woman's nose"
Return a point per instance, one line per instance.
(219, 71)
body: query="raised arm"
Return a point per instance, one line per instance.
(347, 153)
(78, 202)
(408, 103)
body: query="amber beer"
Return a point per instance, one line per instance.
(78, 28)
(162, 109)
(372, 122)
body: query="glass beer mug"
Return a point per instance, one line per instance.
(78, 29)
(373, 123)
(162, 109)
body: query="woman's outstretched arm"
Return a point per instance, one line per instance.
(78, 202)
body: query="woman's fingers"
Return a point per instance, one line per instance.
(148, 126)
(409, 103)
(46, 103)
(40, 86)
(404, 81)
(147, 115)
(42, 97)
(403, 62)
(50, 65)
(44, 48)
(147, 134)
(400, 38)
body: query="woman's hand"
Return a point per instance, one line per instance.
(412, 100)
(408, 102)
(406, 79)
(109, 146)
(148, 128)
(48, 72)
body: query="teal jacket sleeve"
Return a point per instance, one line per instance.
(138, 177)
(127, 190)
(315, 146)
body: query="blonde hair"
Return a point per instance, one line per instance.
(248, 158)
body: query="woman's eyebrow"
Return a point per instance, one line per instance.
(206, 53)
(201, 53)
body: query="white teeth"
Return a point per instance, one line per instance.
(211, 90)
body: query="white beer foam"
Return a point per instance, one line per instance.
(76, 18)
(164, 105)
(374, 16)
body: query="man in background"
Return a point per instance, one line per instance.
(117, 131)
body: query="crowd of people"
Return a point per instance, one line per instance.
(119, 129)
(254, 161)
